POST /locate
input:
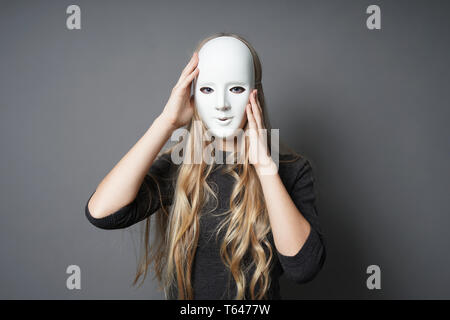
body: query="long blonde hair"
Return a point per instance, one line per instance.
(177, 227)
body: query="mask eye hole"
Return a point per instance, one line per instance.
(239, 89)
(206, 90)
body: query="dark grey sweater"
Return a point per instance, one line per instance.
(211, 279)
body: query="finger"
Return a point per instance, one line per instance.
(256, 112)
(260, 111)
(189, 67)
(187, 81)
(262, 124)
(257, 102)
(259, 105)
(250, 118)
(191, 64)
(251, 133)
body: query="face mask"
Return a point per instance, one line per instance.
(223, 84)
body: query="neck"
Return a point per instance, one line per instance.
(225, 145)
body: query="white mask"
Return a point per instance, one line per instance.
(223, 85)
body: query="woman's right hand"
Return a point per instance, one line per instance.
(180, 106)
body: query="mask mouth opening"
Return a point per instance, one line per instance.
(224, 118)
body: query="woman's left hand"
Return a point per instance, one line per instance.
(259, 155)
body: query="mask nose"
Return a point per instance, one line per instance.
(222, 104)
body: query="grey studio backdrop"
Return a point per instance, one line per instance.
(369, 108)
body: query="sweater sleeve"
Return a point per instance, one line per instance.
(307, 262)
(156, 189)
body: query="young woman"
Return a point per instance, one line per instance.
(223, 231)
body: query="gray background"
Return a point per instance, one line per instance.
(368, 108)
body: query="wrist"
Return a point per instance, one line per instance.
(165, 124)
(266, 168)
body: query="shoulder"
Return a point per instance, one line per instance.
(293, 168)
(291, 164)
